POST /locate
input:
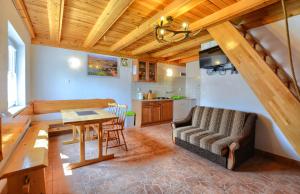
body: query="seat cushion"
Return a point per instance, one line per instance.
(220, 146)
(185, 135)
(208, 140)
(196, 137)
(179, 130)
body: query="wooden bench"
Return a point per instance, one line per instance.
(24, 170)
(25, 144)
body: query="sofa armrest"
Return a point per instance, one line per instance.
(243, 143)
(185, 122)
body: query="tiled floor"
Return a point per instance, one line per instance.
(154, 164)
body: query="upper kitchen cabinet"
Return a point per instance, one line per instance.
(144, 71)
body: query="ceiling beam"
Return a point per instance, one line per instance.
(175, 9)
(55, 17)
(21, 8)
(219, 3)
(189, 59)
(234, 10)
(111, 13)
(183, 46)
(185, 54)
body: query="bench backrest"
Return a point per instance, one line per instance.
(52, 106)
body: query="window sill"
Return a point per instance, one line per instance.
(15, 110)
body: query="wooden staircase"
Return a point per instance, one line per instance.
(268, 81)
(267, 57)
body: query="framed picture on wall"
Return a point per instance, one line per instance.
(102, 66)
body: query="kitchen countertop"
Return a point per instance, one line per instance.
(153, 100)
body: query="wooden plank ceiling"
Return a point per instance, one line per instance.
(125, 27)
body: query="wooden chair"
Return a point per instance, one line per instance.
(112, 107)
(113, 131)
(90, 132)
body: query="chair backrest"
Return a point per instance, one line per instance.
(112, 107)
(121, 113)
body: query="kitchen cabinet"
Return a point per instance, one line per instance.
(144, 71)
(167, 110)
(147, 114)
(151, 112)
(156, 112)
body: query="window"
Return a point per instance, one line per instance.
(16, 71)
(12, 88)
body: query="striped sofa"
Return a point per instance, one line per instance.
(223, 136)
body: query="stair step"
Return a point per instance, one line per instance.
(241, 28)
(258, 47)
(292, 88)
(242, 33)
(271, 63)
(262, 54)
(251, 42)
(283, 76)
(248, 36)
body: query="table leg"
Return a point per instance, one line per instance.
(82, 143)
(100, 157)
(74, 138)
(100, 141)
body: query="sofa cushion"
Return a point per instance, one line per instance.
(220, 146)
(238, 123)
(185, 135)
(178, 131)
(197, 115)
(215, 119)
(205, 118)
(207, 141)
(196, 137)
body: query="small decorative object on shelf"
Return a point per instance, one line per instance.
(124, 62)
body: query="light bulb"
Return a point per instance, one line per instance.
(162, 31)
(184, 25)
(162, 18)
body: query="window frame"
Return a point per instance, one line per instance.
(13, 70)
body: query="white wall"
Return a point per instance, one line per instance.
(232, 92)
(53, 79)
(9, 13)
(192, 88)
(165, 86)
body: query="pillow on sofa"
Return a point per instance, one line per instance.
(197, 115)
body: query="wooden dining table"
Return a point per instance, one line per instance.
(81, 118)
